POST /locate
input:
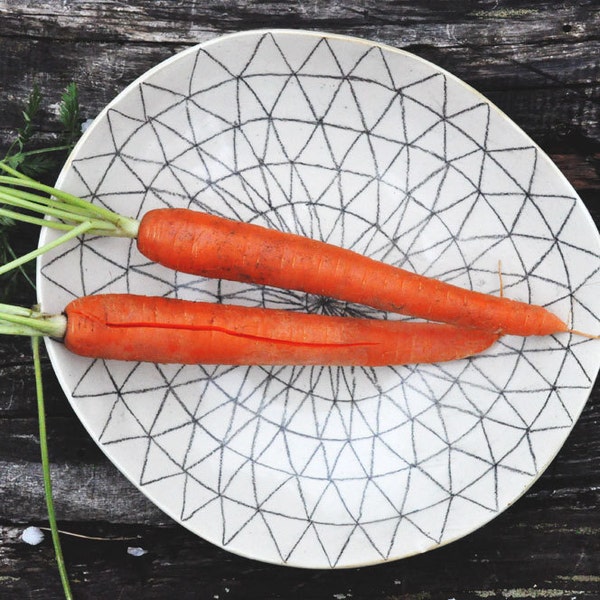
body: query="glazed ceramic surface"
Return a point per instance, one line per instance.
(369, 148)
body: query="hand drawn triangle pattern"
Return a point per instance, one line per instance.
(365, 140)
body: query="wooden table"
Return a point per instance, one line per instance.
(538, 61)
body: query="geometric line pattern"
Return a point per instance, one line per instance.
(374, 150)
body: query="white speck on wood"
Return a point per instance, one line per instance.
(136, 551)
(32, 536)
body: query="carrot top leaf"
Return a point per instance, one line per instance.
(42, 160)
(27, 200)
(69, 116)
(28, 155)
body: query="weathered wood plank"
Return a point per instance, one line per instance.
(493, 563)
(17, 389)
(92, 492)
(554, 101)
(551, 62)
(88, 487)
(488, 67)
(538, 62)
(189, 21)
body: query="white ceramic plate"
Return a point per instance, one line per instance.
(370, 148)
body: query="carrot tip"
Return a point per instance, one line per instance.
(591, 336)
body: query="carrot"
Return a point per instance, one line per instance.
(211, 246)
(166, 330)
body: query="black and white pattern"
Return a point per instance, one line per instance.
(375, 150)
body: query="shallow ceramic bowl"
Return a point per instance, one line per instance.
(370, 148)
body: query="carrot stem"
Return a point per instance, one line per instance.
(8, 169)
(62, 195)
(10, 252)
(18, 216)
(69, 235)
(15, 190)
(35, 342)
(45, 206)
(17, 320)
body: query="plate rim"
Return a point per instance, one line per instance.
(165, 64)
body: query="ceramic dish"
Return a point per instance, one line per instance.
(370, 148)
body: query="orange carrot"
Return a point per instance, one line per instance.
(211, 246)
(163, 330)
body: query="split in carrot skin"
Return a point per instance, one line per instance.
(167, 330)
(207, 245)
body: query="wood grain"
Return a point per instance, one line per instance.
(548, 54)
(539, 62)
